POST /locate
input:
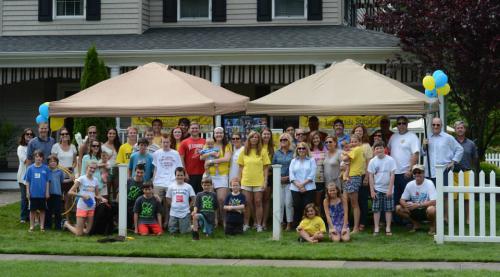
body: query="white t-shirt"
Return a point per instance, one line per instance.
(419, 193)
(402, 147)
(111, 152)
(22, 154)
(65, 157)
(234, 170)
(87, 187)
(165, 163)
(382, 169)
(180, 195)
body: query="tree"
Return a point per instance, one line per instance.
(94, 71)
(462, 38)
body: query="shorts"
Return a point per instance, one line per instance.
(206, 227)
(84, 213)
(220, 181)
(382, 202)
(37, 204)
(419, 214)
(252, 188)
(353, 184)
(466, 184)
(160, 191)
(145, 229)
(233, 228)
(178, 224)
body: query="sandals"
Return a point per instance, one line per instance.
(388, 233)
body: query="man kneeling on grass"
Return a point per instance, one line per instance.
(418, 202)
(147, 212)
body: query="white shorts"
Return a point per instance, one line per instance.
(252, 189)
(220, 181)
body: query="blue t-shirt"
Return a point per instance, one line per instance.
(39, 144)
(37, 176)
(234, 200)
(56, 178)
(146, 159)
(284, 159)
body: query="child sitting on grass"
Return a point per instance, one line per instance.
(147, 213)
(205, 207)
(336, 212)
(209, 153)
(37, 189)
(312, 226)
(54, 203)
(234, 205)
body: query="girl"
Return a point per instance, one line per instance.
(112, 145)
(354, 181)
(94, 155)
(284, 156)
(332, 161)
(336, 212)
(267, 146)
(312, 226)
(176, 138)
(318, 153)
(22, 154)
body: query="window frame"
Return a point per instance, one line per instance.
(180, 18)
(274, 16)
(55, 16)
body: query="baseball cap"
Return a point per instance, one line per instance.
(418, 167)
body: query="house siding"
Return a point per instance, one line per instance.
(145, 15)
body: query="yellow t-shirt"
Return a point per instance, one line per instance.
(124, 153)
(367, 151)
(157, 141)
(311, 226)
(223, 167)
(253, 168)
(357, 165)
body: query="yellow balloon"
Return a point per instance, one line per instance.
(444, 90)
(428, 82)
(56, 123)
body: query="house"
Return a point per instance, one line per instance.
(248, 46)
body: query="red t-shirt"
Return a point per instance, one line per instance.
(190, 148)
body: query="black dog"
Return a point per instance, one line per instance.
(104, 219)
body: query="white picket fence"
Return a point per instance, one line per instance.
(493, 158)
(483, 190)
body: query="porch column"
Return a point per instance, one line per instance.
(319, 66)
(115, 71)
(216, 80)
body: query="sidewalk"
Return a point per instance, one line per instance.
(9, 196)
(245, 262)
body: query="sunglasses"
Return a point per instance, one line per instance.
(402, 123)
(92, 133)
(417, 172)
(29, 134)
(436, 124)
(94, 145)
(328, 142)
(235, 138)
(301, 148)
(377, 135)
(282, 140)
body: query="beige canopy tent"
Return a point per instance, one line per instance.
(345, 88)
(153, 89)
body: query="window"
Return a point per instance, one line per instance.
(194, 9)
(289, 8)
(69, 8)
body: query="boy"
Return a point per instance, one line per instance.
(141, 157)
(147, 213)
(37, 189)
(179, 197)
(204, 210)
(54, 204)
(234, 205)
(134, 191)
(381, 170)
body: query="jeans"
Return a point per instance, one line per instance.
(54, 207)
(300, 200)
(24, 203)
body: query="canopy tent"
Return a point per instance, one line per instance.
(153, 89)
(345, 88)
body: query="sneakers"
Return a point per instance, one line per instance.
(196, 235)
(63, 221)
(259, 228)
(246, 228)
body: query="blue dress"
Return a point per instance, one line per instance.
(337, 216)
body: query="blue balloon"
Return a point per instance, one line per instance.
(431, 93)
(44, 110)
(440, 78)
(41, 119)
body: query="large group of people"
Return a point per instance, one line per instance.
(180, 182)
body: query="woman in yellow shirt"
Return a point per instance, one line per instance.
(254, 165)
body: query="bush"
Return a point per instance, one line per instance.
(487, 168)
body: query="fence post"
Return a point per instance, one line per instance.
(493, 206)
(277, 216)
(122, 200)
(439, 238)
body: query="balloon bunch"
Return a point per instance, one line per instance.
(437, 84)
(43, 111)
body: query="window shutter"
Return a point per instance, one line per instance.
(219, 10)
(169, 11)
(93, 10)
(44, 10)
(314, 10)
(264, 10)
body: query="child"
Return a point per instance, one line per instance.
(178, 196)
(204, 210)
(336, 212)
(312, 226)
(147, 212)
(54, 204)
(381, 171)
(234, 205)
(134, 191)
(344, 163)
(105, 171)
(37, 189)
(209, 153)
(141, 157)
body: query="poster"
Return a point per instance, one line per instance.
(243, 125)
(169, 122)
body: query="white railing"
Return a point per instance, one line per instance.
(493, 158)
(483, 190)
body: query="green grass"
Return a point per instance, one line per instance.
(18, 268)
(403, 246)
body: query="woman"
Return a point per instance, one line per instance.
(254, 165)
(234, 170)
(22, 154)
(84, 148)
(267, 146)
(284, 156)
(220, 176)
(94, 155)
(176, 138)
(364, 191)
(111, 147)
(318, 153)
(378, 136)
(332, 162)
(302, 176)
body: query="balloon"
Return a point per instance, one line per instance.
(440, 77)
(44, 110)
(430, 93)
(444, 90)
(41, 119)
(56, 123)
(428, 82)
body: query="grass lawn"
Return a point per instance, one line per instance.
(402, 246)
(18, 268)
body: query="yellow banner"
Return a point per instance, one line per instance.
(372, 123)
(169, 122)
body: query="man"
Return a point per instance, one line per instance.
(441, 149)
(190, 156)
(85, 147)
(300, 136)
(313, 123)
(338, 126)
(157, 125)
(42, 142)
(404, 147)
(184, 124)
(418, 202)
(126, 149)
